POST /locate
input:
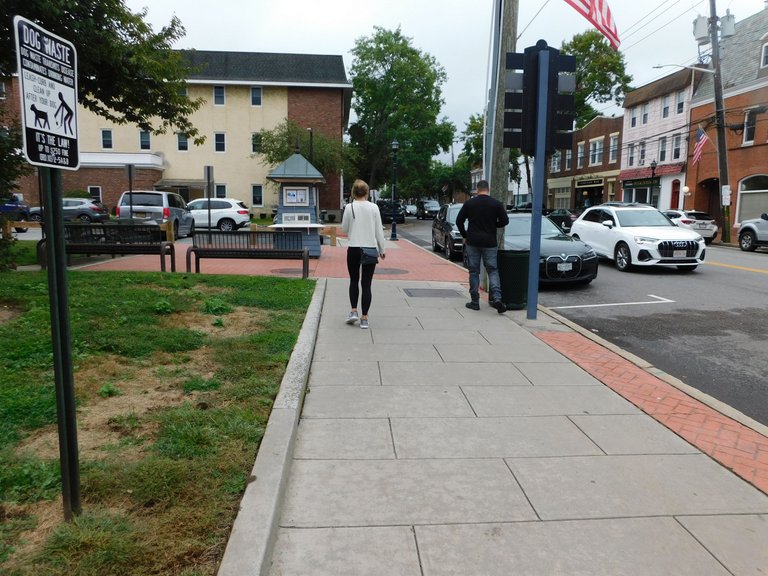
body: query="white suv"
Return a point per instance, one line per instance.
(753, 233)
(638, 235)
(226, 214)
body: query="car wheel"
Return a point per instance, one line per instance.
(687, 268)
(623, 258)
(191, 230)
(85, 219)
(227, 225)
(747, 241)
(435, 246)
(20, 229)
(448, 249)
(708, 241)
(35, 218)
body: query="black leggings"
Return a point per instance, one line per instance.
(354, 255)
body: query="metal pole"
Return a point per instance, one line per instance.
(394, 191)
(539, 171)
(724, 208)
(61, 341)
(208, 186)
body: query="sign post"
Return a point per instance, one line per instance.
(47, 66)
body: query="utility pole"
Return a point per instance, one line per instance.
(499, 157)
(722, 144)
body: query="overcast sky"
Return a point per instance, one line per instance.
(455, 32)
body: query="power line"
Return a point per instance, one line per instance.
(663, 26)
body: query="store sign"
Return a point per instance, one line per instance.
(642, 182)
(589, 183)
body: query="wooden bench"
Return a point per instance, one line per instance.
(248, 244)
(115, 238)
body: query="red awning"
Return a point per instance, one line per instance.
(645, 171)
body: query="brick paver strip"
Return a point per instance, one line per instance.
(735, 446)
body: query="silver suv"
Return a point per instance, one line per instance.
(159, 206)
(753, 233)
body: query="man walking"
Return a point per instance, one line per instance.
(485, 215)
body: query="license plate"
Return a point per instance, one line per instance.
(140, 215)
(702, 225)
(564, 267)
(679, 254)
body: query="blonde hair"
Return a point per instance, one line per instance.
(359, 189)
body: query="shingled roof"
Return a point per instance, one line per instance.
(267, 68)
(680, 80)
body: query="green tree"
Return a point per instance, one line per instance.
(397, 96)
(12, 163)
(473, 139)
(127, 73)
(600, 74)
(328, 155)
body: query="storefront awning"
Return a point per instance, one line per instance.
(645, 171)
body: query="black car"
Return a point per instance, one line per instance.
(426, 209)
(15, 210)
(385, 207)
(562, 259)
(563, 217)
(445, 234)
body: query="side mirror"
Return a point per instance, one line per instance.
(764, 216)
(608, 223)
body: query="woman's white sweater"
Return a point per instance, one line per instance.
(362, 225)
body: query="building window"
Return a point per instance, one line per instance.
(182, 142)
(677, 142)
(106, 139)
(596, 152)
(568, 159)
(680, 101)
(2, 90)
(662, 149)
(614, 151)
(752, 198)
(665, 107)
(95, 192)
(580, 155)
(631, 155)
(641, 154)
(764, 59)
(255, 143)
(645, 113)
(144, 141)
(750, 118)
(221, 190)
(257, 196)
(555, 162)
(218, 95)
(255, 95)
(633, 118)
(183, 91)
(220, 142)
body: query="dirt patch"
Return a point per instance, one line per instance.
(8, 313)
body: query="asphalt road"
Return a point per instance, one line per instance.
(708, 328)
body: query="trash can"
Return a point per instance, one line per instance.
(513, 274)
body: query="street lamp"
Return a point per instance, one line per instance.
(395, 148)
(653, 177)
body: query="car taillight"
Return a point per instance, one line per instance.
(242, 211)
(687, 221)
(166, 213)
(117, 211)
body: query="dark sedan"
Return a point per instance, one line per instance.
(445, 234)
(561, 260)
(563, 217)
(385, 207)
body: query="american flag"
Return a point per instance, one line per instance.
(598, 12)
(701, 139)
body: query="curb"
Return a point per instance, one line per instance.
(249, 548)
(694, 393)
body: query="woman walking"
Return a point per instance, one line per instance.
(362, 224)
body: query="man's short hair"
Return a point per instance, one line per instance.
(483, 185)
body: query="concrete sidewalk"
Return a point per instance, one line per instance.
(447, 441)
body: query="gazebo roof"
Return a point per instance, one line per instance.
(296, 169)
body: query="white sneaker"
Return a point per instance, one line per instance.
(364, 324)
(353, 317)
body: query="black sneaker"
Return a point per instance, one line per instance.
(500, 306)
(473, 305)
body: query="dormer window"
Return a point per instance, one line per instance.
(764, 58)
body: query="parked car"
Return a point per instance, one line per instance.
(226, 214)
(159, 206)
(638, 235)
(563, 217)
(426, 209)
(695, 220)
(562, 259)
(445, 234)
(16, 210)
(410, 209)
(84, 210)
(753, 233)
(385, 207)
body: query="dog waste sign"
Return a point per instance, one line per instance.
(47, 66)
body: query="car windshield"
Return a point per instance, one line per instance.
(633, 218)
(431, 205)
(521, 226)
(453, 211)
(143, 199)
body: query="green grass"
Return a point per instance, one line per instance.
(170, 478)
(24, 253)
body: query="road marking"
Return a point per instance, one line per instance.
(737, 267)
(659, 300)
